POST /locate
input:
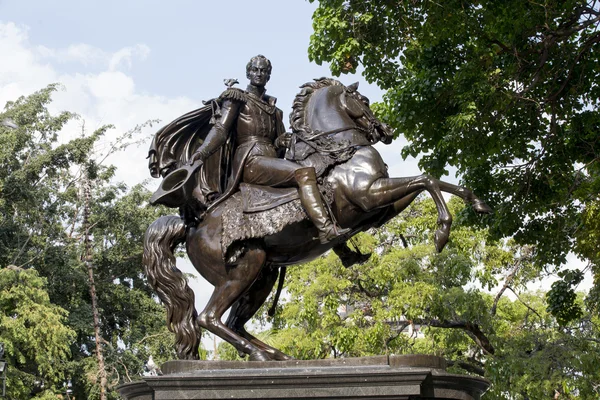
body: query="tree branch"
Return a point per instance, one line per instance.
(404, 242)
(14, 261)
(365, 291)
(471, 329)
(587, 45)
(507, 283)
(466, 366)
(126, 370)
(525, 304)
(150, 337)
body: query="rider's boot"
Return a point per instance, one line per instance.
(312, 203)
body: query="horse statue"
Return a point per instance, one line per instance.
(240, 251)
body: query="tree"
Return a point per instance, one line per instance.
(506, 92)
(42, 227)
(409, 299)
(34, 333)
(132, 322)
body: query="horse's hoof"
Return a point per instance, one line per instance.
(258, 355)
(283, 357)
(482, 208)
(441, 238)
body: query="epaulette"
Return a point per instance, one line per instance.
(270, 99)
(233, 94)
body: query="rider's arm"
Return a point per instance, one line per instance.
(279, 118)
(282, 141)
(217, 136)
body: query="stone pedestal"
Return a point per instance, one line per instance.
(393, 377)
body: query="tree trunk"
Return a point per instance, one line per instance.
(87, 258)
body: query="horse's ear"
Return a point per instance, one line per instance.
(353, 87)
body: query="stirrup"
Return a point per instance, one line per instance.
(334, 231)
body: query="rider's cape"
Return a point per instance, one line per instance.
(174, 144)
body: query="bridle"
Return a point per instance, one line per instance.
(308, 136)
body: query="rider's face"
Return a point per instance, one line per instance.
(258, 73)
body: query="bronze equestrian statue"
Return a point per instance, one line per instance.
(246, 212)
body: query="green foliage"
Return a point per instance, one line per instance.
(42, 208)
(538, 357)
(561, 297)
(409, 299)
(506, 92)
(33, 330)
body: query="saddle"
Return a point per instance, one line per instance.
(257, 198)
(256, 212)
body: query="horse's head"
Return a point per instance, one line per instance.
(327, 106)
(358, 108)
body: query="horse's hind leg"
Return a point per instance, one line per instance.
(248, 305)
(228, 290)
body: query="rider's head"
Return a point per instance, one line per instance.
(258, 70)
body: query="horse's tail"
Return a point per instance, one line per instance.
(160, 240)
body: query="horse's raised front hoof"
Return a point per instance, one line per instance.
(482, 208)
(441, 238)
(259, 355)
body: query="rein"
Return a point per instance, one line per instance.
(310, 139)
(318, 134)
(308, 136)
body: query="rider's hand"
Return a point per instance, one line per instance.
(196, 156)
(283, 141)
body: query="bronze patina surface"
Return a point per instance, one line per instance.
(303, 193)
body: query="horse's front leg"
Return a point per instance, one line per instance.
(467, 195)
(400, 192)
(248, 304)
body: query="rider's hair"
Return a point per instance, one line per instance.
(256, 58)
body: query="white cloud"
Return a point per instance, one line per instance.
(87, 55)
(124, 56)
(20, 70)
(81, 53)
(84, 53)
(112, 85)
(105, 97)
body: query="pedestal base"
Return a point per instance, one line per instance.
(394, 377)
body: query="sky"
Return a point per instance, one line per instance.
(126, 62)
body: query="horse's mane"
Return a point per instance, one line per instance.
(297, 117)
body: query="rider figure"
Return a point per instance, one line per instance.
(258, 125)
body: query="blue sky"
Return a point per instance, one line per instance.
(192, 43)
(129, 61)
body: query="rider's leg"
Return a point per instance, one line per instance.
(277, 172)
(310, 197)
